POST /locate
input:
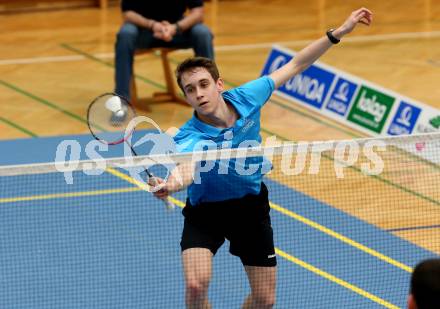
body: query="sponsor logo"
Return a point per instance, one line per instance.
(310, 87)
(307, 87)
(371, 109)
(275, 61)
(249, 123)
(278, 63)
(435, 122)
(404, 120)
(341, 97)
(428, 124)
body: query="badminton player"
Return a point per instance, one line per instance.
(231, 205)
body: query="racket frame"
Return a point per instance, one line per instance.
(124, 100)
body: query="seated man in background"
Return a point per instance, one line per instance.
(158, 24)
(425, 285)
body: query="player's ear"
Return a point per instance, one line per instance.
(220, 84)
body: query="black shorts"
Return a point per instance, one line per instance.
(245, 222)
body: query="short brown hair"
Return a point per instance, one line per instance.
(196, 62)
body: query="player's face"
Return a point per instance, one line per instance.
(201, 91)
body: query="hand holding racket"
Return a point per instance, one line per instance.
(161, 193)
(108, 117)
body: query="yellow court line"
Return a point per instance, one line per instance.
(297, 261)
(139, 184)
(285, 255)
(302, 219)
(334, 279)
(340, 237)
(281, 253)
(144, 186)
(69, 194)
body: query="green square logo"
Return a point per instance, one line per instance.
(435, 122)
(371, 109)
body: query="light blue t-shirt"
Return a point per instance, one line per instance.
(233, 178)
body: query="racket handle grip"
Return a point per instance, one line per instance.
(167, 201)
(169, 204)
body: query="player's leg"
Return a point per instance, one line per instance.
(197, 267)
(251, 239)
(199, 244)
(262, 281)
(260, 264)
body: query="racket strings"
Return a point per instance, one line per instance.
(108, 117)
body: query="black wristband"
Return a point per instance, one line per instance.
(331, 37)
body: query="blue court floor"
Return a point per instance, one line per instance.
(101, 242)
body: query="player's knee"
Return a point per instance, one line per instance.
(264, 299)
(197, 288)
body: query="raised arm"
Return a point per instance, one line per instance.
(312, 52)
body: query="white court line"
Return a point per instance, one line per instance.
(41, 60)
(361, 38)
(52, 59)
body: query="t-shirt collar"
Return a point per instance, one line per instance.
(205, 127)
(210, 130)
